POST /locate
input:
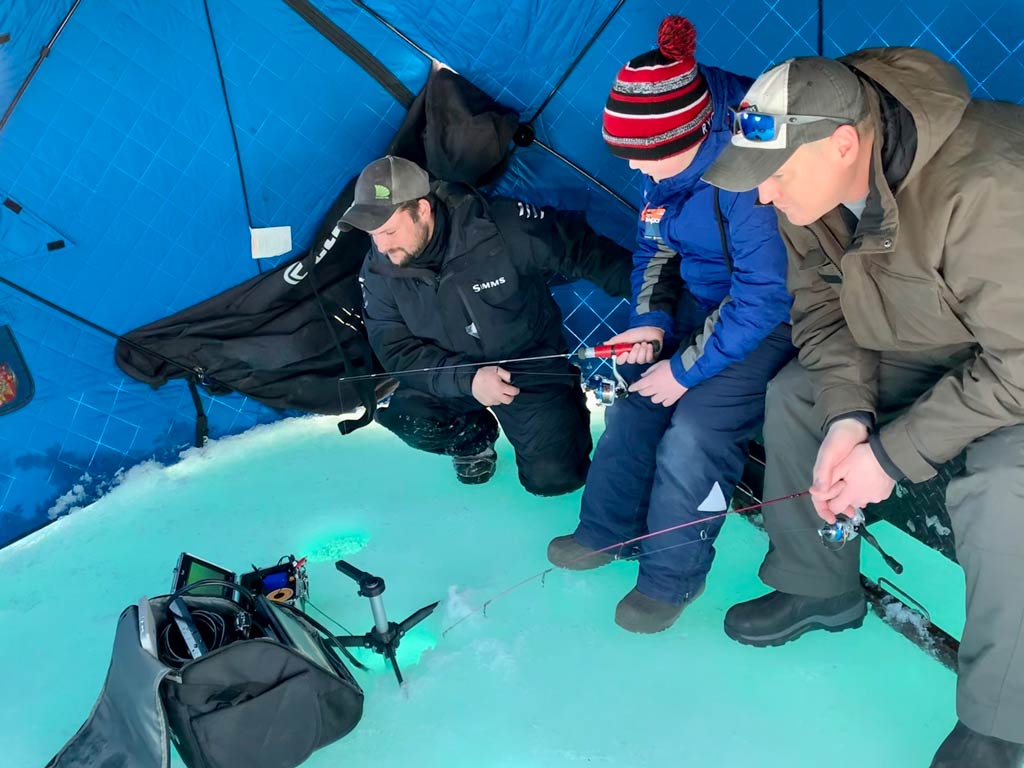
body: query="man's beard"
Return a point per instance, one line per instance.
(408, 256)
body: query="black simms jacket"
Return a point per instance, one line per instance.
(490, 299)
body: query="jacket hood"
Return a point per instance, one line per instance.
(932, 90)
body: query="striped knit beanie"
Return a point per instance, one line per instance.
(660, 104)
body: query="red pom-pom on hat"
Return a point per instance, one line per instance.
(660, 104)
(677, 38)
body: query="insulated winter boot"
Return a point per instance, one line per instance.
(777, 618)
(964, 748)
(644, 615)
(566, 552)
(476, 469)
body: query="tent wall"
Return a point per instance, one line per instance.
(122, 148)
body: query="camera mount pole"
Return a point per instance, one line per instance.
(385, 635)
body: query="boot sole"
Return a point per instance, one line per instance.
(585, 563)
(849, 619)
(474, 479)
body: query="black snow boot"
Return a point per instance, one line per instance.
(476, 469)
(566, 552)
(777, 618)
(964, 748)
(637, 612)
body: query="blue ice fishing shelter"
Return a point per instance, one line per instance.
(142, 141)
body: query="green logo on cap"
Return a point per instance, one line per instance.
(381, 192)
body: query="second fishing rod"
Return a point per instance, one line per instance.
(607, 390)
(599, 352)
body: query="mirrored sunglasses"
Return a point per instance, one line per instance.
(762, 126)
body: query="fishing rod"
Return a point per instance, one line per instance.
(833, 535)
(599, 352)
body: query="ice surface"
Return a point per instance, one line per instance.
(546, 679)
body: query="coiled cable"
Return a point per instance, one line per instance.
(211, 627)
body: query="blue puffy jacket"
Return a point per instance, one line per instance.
(679, 238)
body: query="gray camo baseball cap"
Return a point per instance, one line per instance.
(810, 85)
(381, 188)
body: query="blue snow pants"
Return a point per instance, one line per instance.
(658, 467)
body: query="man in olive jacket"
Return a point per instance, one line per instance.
(899, 199)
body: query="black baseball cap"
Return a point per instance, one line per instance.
(381, 189)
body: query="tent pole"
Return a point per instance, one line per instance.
(592, 179)
(576, 61)
(35, 67)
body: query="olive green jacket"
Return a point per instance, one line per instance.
(936, 264)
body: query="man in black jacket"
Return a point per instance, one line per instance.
(454, 279)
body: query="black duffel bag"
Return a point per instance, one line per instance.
(269, 691)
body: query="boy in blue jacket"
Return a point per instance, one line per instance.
(709, 284)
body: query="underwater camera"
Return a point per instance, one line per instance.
(284, 582)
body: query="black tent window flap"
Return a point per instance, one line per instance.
(16, 385)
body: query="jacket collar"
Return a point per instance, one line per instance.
(892, 155)
(916, 102)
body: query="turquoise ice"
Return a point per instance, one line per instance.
(544, 680)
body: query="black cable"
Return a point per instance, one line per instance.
(230, 586)
(328, 636)
(576, 62)
(231, 122)
(35, 67)
(327, 616)
(214, 636)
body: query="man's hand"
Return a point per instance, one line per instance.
(641, 352)
(843, 436)
(863, 482)
(493, 386)
(658, 383)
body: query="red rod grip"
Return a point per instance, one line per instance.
(605, 351)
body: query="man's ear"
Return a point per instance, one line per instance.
(846, 144)
(424, 209)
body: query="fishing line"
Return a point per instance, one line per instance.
(432, 368)
(482, 609)
(538, 373)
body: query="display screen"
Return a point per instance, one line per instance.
(191, 569)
